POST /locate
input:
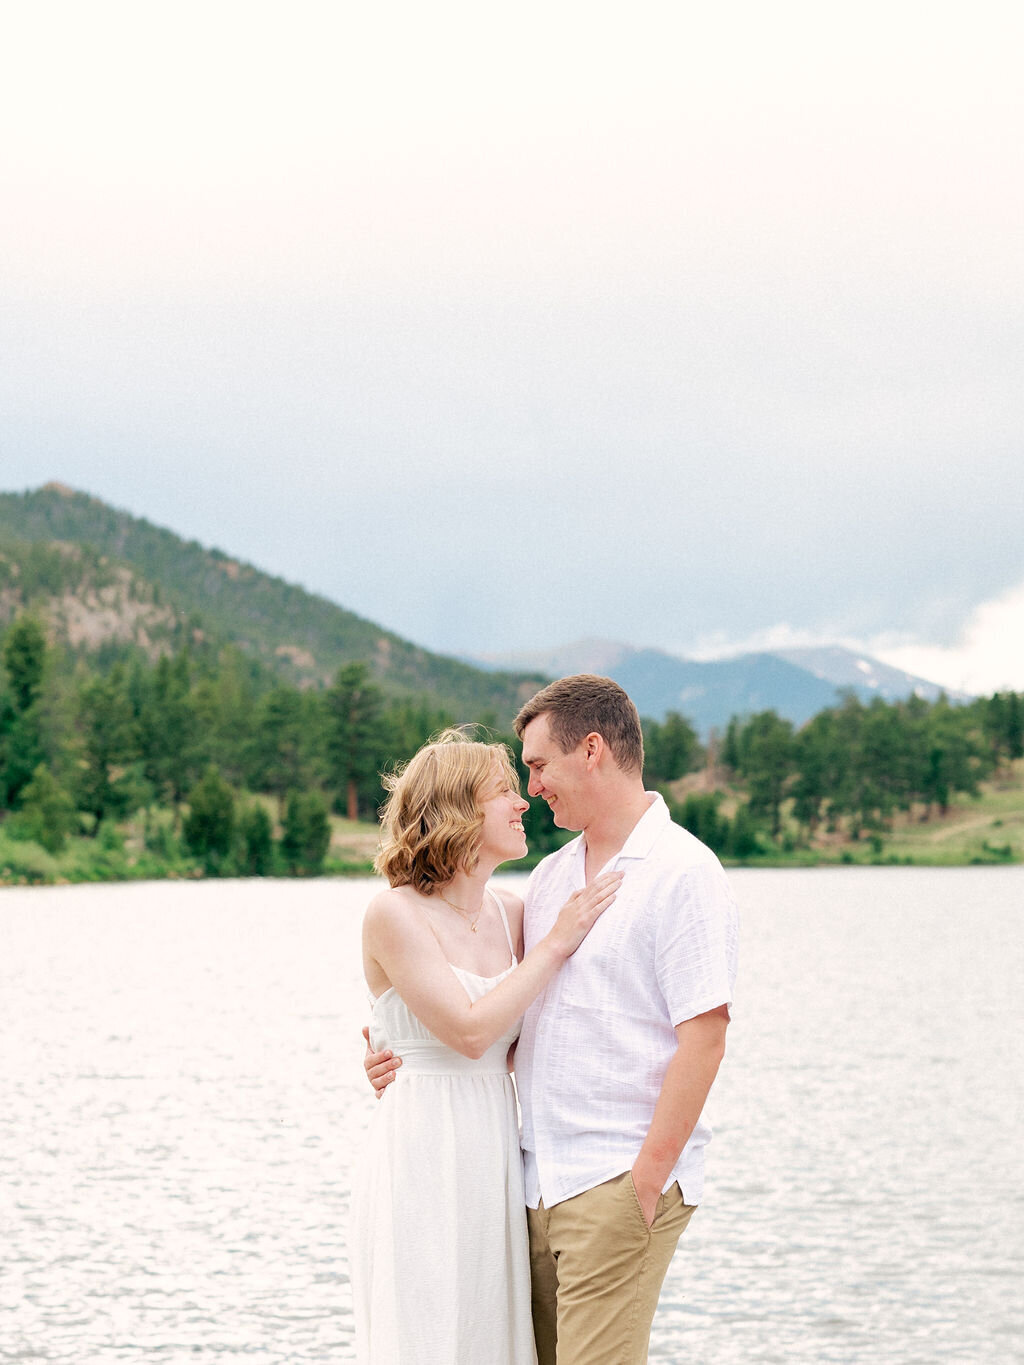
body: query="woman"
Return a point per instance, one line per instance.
(440, 1264)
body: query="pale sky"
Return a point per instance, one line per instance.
(686, 326)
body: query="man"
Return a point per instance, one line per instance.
(617, 1055)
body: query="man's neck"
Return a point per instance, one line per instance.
(607, 831)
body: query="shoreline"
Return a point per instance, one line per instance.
(144, 870)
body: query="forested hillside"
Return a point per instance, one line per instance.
(102, 578)
(144, 733)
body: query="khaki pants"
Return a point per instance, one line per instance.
(597, 1272)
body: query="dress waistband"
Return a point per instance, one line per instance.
(426, 1058)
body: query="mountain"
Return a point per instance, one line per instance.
(846, 668)
(105, 579)
(795, 683)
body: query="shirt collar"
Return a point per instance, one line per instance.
(642, 835)
(647, 828)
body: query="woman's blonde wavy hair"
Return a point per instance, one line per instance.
(431, 821)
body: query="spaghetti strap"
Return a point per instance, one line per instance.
(504, 919)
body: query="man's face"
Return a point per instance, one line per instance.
(557, 778)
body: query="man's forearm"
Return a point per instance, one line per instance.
(689, 1077)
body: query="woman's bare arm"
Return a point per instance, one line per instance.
(398, 942)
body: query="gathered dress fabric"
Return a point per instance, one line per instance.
(439, 1251)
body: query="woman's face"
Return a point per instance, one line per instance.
(502, 836)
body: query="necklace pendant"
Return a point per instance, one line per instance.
(473, 927)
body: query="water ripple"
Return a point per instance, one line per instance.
(181, 1094)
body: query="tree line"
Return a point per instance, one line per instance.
(200, 735)
(859, 764)
(854, 766)
(239, 772)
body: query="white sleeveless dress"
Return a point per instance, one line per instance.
(439, 1253)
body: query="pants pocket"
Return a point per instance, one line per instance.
(634, 1201)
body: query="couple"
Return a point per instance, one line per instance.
(629, 935)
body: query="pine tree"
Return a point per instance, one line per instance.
(354, 707)
(209, 828)
(306, 835)
(25, 659)
(47, 812)
(21, 739)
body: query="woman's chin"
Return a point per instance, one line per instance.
(508, 854)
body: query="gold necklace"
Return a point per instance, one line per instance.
(463, 914)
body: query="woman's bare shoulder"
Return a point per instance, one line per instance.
(394, 907)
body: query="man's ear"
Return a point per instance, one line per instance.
(593, 748)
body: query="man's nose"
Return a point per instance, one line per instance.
(533, 786)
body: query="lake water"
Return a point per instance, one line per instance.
(181, 1094)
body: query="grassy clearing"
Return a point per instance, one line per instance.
(987, 828)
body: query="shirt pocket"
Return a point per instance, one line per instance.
(612, 971)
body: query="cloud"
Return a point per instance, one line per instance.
(782, 635)
(687, 321)
(988, 657)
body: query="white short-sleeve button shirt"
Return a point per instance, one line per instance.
(596, 1043)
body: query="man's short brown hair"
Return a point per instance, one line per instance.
(587, 704)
